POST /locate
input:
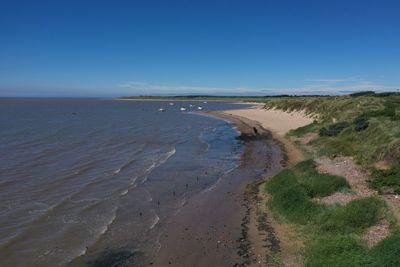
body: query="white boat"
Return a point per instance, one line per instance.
(200, 108)
(191, 105)
(205, 102)
(183, 109)
(171, 104)
(162, 109)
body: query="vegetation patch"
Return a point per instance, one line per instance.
(386, 252)
(292, 191)
(333, 129)
(354, 217)
(360, 123)
(374, 132)
(335, 250)
(312, 127)
(386, 181)
(290, 199)
(333, 233)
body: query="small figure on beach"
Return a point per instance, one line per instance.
(255, 130)
(187, 186)
(158, 203)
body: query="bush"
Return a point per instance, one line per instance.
(386, 178)
(363, 93)
(338, 251)
(355, 216)
(333, 129)
(360, 123)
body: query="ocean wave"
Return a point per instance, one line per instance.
(164, 158)
(124, 192)
(154, 222)
(214, 185)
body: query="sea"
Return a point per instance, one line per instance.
(85, 177)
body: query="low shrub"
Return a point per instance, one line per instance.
(333, 129)
(386, 178)
(360, 123)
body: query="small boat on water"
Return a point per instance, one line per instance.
(162, 109)
(191, 105)
(171, 104)
(200, 108)
(183, 109)
(205, 102)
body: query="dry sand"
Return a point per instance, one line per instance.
(279, 123)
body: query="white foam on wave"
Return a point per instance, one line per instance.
(158, 163)
(133, 180)
(105, 227)
(155, 221)
(213, 186)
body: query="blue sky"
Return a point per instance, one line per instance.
(257, 47)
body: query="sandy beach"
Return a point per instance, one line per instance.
(223, 227)
(278, 122)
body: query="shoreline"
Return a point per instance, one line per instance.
(227, 234)
(278, 123)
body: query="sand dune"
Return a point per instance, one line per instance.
(278, 121)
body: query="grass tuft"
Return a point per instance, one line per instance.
(335, 251)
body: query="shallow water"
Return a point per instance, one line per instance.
(82, 177)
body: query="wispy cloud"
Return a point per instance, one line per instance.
(150, 88)
(312, 86)
(330, 80)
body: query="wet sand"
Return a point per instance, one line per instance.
(219, 227)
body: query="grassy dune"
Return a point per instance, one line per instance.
(366, 127)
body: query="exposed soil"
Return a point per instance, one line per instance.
(346, 167)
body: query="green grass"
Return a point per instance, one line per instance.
(333, 232)
(354, 217)
(374, 134)
(292, 191)
(381, 179)
(290, 199)
(317, 184)
(335, 251)
(386, 252)
(312, 127)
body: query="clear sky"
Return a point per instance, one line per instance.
(257, 47)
